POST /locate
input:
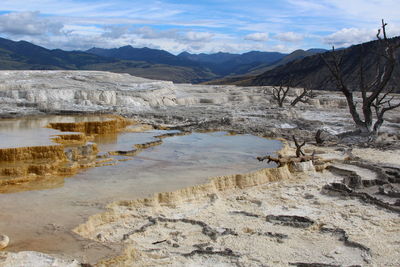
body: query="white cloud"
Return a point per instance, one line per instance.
(81, 29)
(147, 32)
(115, 31)
(257, 37)
(198, 36)
(290, 37)
(28, 23)
(78, 37)
(349, 36)
(175, 26)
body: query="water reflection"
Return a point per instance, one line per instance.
(178, 162)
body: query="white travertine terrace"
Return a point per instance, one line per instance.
(34, 91)
(83, 90)
(37, 259)
(252, 240)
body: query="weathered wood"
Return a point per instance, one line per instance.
(375, 93)
(280, 93)
(307, 93)
(299, 152)
(281, 161)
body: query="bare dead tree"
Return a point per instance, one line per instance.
(375, 93)
(307, 93)
(280, 93)
(300, 156)
(299, 152)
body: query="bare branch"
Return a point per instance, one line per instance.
(378, 34)
(390, 107)
(302, 97)
(384, 29)
(299, 152)
(375, 95)
(280, 94)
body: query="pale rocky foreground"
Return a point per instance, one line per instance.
(279, 223)
(274, 220)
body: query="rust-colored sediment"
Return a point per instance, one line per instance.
(23, 165)
(113, 125)
(72, 139)
(28, 168)
(52, 152)
(44, 164)
(139, 128)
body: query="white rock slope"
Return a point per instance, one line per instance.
(34, 259)
(83, 90)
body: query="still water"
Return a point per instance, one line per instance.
(42, 220)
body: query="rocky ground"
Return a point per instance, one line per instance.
(345, 215)
(294, 221)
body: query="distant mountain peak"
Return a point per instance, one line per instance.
(183, 54)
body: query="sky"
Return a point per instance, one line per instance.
(201, 26)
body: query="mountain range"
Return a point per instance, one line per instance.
(302, 68)
(220, 64)
(23, 55)
(312, 71)
(143, 62)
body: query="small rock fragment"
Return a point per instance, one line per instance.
(4, 240)
(308, 196)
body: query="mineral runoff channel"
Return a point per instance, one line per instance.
(56, 171)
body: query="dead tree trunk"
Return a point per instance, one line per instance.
(286, 160)
(280, 93)
(299, 152)
(375, 94)
(307, 93)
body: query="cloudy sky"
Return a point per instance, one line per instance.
(197, 25)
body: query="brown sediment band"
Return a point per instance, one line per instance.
(139, 128)
(26, 165)
(88, 127)
(72, 139)
(31, 164)
(31, 177)
(113, 125)
(192, 193)
(28, 169)
(53, 152)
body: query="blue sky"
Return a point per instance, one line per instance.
(197, 26)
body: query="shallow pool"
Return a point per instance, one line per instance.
(42, 220)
